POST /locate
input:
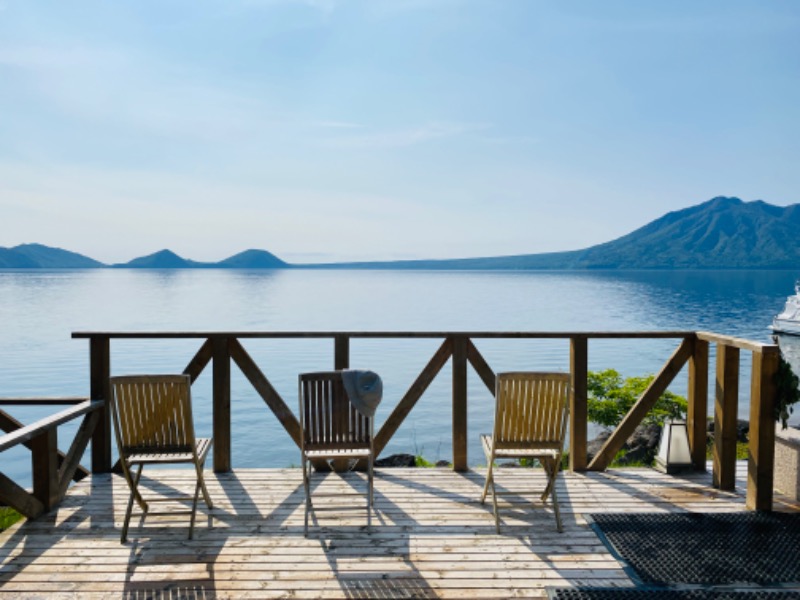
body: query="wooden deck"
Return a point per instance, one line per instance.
(431, 537)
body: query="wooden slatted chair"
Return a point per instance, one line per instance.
(332, 429)
(530, 422)
(153, 425)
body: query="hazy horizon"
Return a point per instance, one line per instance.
(333, 130)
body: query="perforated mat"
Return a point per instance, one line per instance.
(705, 549)
(666, 594)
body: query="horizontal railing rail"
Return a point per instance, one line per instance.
(52, 469)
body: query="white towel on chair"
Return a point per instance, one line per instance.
(364, 389)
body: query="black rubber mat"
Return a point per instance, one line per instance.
(705, 549)
(666, 594)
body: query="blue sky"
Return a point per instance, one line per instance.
(356, 130)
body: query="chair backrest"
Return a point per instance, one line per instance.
(327, 417)
(153, 413)
(532, 410)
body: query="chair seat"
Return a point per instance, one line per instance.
(339, 453)
(203, 446)
(521, 451)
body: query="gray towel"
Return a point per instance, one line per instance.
(364, 389)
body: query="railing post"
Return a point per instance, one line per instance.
(761, 451)
(697, 411)
(341, 352)
(725, 417)
(459, 403)
(100, 389)
(45, 468)
(221, 400)
(578, 423)
(341, 360)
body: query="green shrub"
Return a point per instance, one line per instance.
(611, 397)
(8, 516)
(419, 461)
(787, 387)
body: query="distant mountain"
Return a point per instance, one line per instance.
(11, 259)
(253, 259)
(167, 259)
(37, 256)
(163, 259)
(723, 233)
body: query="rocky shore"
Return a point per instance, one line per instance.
(640, 448)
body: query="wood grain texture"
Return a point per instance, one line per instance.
(697, 410)
(726, 407)
(430, 538)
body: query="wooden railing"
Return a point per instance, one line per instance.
(224, 348)
(52, 469)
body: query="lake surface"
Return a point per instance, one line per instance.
(40, 310)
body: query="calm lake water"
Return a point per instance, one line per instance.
(40, 310)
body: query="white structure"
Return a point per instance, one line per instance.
(788, 321)
(787, 461)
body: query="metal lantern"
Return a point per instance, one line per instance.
(673, 449)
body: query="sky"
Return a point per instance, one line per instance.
(336, 130)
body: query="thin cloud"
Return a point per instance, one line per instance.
(337, 125)
(403, 138)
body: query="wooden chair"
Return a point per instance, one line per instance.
(332, 429)
(530, 422)
(153, 425)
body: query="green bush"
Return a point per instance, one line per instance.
(8, 516)
(611, 397)
(787, 388)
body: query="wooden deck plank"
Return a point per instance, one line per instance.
(431, 538)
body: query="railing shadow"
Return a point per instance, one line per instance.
(254, 535)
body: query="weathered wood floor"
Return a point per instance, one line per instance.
(431, 537)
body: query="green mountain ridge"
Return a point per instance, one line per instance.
(722, 233)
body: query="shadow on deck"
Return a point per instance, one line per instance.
(430, 536)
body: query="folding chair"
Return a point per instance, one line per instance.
(530, 422)
(153, 424)
(332, 429)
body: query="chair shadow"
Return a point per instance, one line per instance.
(189, 568)
(342, 548)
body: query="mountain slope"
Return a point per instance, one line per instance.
(253, 259)
(163, 259)
(723, 233)
(11, 259)
(37, 256)
(720, 233)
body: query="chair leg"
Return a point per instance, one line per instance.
(556, 511)
(370, 490)
(490, 482)
(551, 468)
(134, 485)
(202, 482)
(494, 505)
(489, 476)
(126, 472)
(307, 489)
(194, 508)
